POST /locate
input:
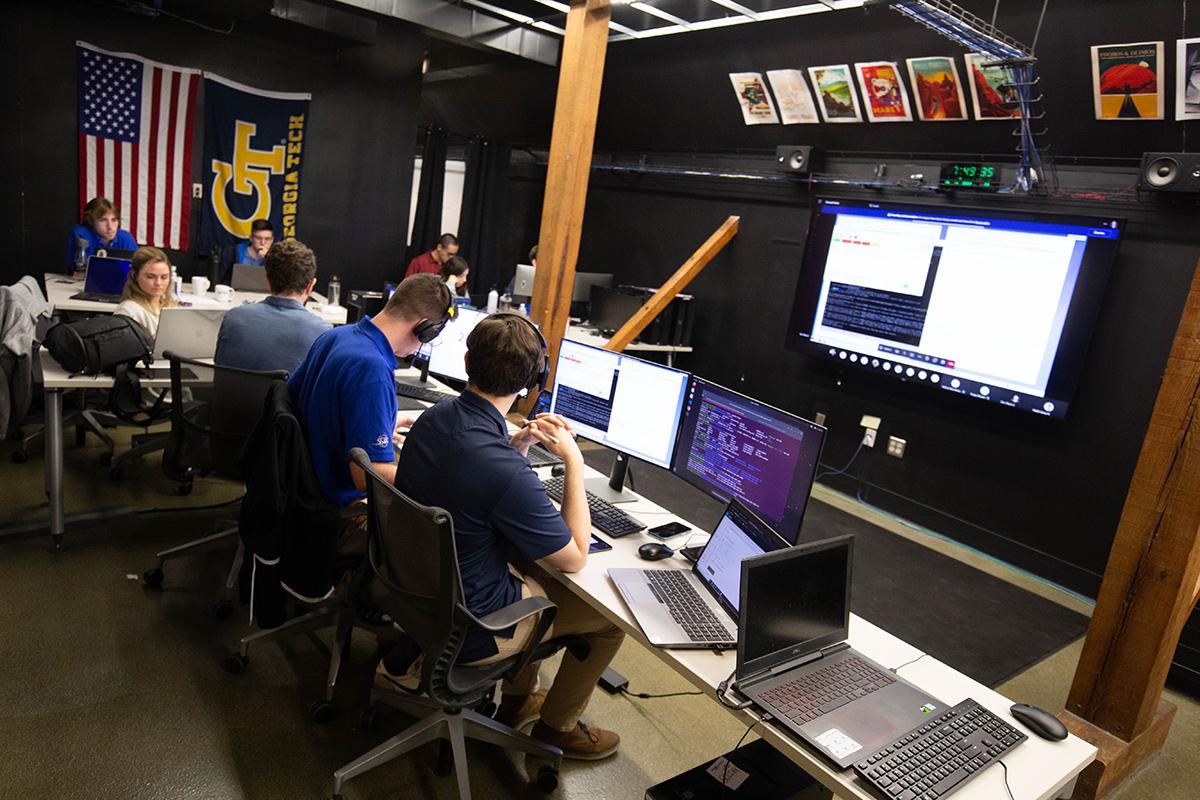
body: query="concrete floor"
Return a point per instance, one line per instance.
(110, 691)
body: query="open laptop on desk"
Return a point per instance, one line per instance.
(188, 332)
(795, 664)
(104, 280)
(249, 278)
(699, 613)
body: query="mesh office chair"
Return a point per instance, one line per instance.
(415, 580)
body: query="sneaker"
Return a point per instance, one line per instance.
(583, 742)
(408, 682)
(518, 710)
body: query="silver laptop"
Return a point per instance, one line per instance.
(523, 281)
(681, 609)
(250, 278)
(188, 332)
(794, 662)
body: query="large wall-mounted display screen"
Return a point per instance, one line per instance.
(994, 305)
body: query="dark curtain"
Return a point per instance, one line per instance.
(428, 218)
(483, 222)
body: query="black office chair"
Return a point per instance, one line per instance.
(207, 439)
(415, 580)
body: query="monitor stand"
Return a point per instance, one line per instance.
(612, 488)
(424, 371)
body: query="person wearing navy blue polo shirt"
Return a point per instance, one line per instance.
(345, 393)
(458, 456)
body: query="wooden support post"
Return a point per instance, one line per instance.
(1150, 583)
(674, 285)
(580, 74)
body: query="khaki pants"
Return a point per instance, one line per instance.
(572, 688)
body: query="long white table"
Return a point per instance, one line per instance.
(60, 288)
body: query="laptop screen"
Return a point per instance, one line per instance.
(739, 535)
(106, 275)
(793, 603)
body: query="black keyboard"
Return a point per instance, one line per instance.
(97, 297)
(422, 393)
(821, 691)
(933, 760)
(541, 457)
(606, 517)
(687, 608)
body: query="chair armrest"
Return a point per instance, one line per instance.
(512, 614)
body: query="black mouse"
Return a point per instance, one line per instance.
(1041, 722)
(654, 551)
(557, 469)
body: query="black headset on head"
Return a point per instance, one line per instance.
(427, 330)
(541, 367)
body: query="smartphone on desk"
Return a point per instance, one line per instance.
(598, 545)
(668, 530)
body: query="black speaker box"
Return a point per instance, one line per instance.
(793, 158)
(1170, 172)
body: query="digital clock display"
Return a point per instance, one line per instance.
(970, 176)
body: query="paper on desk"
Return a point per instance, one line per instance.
(725, 771)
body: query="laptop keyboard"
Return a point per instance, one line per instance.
(541, 457)
(422, 393)
(810, 696)
(97, 297)
(687, 608)
(938, 757)
(606, 517)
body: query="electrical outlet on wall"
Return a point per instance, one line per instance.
(896, 446)
(869, 438)
(197, 190)
(819, 418)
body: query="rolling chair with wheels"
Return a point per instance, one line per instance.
(415, 580)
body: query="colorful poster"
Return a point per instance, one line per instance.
(884, 95)
(752, 95)
(793, 97)
(937, 89)
(1127, 81)
(991, 88)
(835, 93)
(1187, 79)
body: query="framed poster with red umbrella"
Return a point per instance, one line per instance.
(1127, 81)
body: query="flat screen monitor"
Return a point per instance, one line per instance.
(445, 353)
(732, 446)
(580, 290)
(994, 305)
(609, 309)
(628, 404)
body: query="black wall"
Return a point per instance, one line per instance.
(358, 146)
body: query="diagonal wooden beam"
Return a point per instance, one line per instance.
(674, 285)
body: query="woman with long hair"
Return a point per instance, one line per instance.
(147, 289)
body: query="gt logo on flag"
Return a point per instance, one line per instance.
(250, 174)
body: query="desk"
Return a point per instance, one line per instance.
(579, 333)
(60, 288)
(1037, 769)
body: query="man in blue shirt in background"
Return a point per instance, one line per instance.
(99, 230)
(458, 456)
(345, 393)
(276, 333)
(254, 251)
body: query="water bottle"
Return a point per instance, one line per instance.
(176, 283)
(335, 291)
(81, 246)
(214, 266)
(493, 301)
(523, 310)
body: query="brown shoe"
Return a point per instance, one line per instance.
(518, 710)
(583, 743)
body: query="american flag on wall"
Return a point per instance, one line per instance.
(135, 141)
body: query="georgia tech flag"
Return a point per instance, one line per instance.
(253, 148)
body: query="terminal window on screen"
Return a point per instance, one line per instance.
(988, 303)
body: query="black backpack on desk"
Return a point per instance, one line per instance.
(98, 344)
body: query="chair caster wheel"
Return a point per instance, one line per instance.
(116, 473)
(547, 778)
(184, 489)
(235, 663)
(106, 458)
(19, 457)
(153, 578)
(369, 719)
(321, 711)
(223, 609)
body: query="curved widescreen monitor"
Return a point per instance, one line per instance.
(732, 446)
(994, 305)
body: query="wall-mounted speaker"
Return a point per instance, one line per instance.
(1170, 172)
(793, 158)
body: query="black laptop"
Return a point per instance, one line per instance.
(794, 662)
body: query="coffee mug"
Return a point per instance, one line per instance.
(199, 285)
(224, 293)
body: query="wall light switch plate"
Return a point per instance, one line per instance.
(871, 422)
(819, 418)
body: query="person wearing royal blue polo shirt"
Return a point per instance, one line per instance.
(345, 393)
(254, 250)
(276, 333)
(458, 456)
(101, 228)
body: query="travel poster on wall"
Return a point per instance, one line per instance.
(1127, 81)
(991, 88)
(835, 93)
(884, 96)
(937, 89)
(752, 95)
(1187, 79)
(792, 96)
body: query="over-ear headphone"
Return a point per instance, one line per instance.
(541, 367)
(427, 330)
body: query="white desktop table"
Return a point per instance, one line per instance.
(585, 335)
(60, 288)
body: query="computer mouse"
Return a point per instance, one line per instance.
(1041, 722)
(557, 470)
(655, 551)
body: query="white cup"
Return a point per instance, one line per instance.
(224, 293)
(199, 285)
